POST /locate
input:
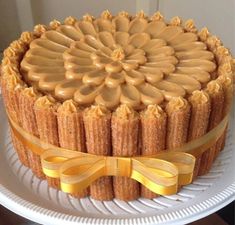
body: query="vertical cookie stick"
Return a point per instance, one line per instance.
(125, 125)
(200, 113)
(97, 121)
(178, 111)
(26, 105)
(215, 91)
(11, 87)
(227, 85)
(45, 111)
(153, 127)
(71, 130)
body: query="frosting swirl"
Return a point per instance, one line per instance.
(115, 60)
(96, 111)
(152, 111)
(199, 97)
(125, 112)
(68, 107)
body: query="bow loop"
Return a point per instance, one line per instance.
(78, 173)
(156, 174)
(52, 160)
(184, 163)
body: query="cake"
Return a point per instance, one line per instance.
(117, 85)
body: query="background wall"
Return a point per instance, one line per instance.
(19, 15)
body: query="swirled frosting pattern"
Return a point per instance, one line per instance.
(117, 59)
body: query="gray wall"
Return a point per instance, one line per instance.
(20, 15)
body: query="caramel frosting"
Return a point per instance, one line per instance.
(203, 34)
(40, 29)
(68, 107)
(44, 102)
(175, 21)
(27, 37)
(213, 87)
(157, 16)
(14, 82)
(54, 24)
(152, 111)
(125, 112)
(70, 20)
(18, 46)
(113, 60)
(10, 52)
(225, 80)
(176, 104)
(190, 26)
(213, 42)
(199, 97)
(225, 67)
(96, 111)
(30, 92)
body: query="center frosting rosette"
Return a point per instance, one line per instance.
(113, 60)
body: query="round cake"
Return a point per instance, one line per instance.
(117, 85)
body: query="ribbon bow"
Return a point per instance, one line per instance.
(161, 173)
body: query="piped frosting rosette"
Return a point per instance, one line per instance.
(116, 60)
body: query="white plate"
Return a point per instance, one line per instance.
(23, 193)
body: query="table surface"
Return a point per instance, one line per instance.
(224, 216)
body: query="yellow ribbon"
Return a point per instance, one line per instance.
(161, 173)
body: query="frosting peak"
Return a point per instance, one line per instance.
(44, 102)
(17, 45)
(199, 97)
(118, 54)
(153, 111)
(226, 80)
(27, 37)
(213, 87)
(157, 16)
(69, 106)
(54, 24)
(124, 14)
(213, 42)
(203, 34)
(176, 104)
(87, 17)
(175, 21)
(40, 29)
(106, 15)
(190, 26)
(29, 92)
(125, 112)
(141, 14)
(70, 20)
(9, 52)
(96, 111)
